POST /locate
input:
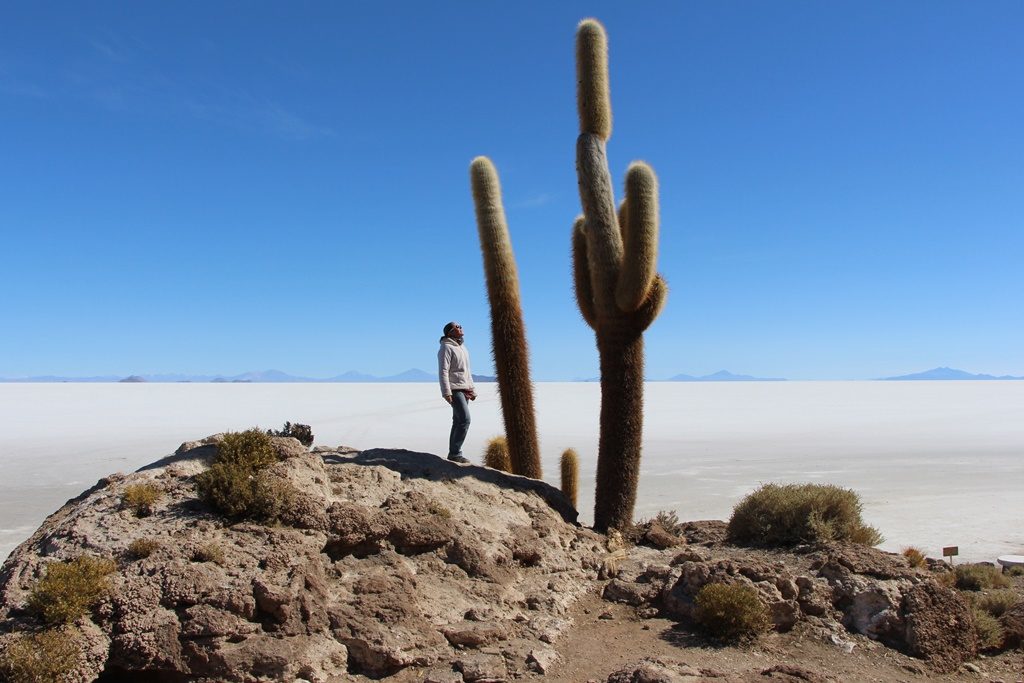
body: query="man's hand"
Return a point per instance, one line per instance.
(448, 398)
(471, 395)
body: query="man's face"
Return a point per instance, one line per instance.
(457, 332)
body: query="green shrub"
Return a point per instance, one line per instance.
(990, 632)
(210, 552)
(140, 498)
(304, 433)
(788, 514)
(142, 548)
(235, 483)
(251, 448)
(977, 577)
(997, 602)
(731, 612)
(68, 590)
(45, 657)
(915, 556)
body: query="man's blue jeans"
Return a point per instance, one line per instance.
(460, 423)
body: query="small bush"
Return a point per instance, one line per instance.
(235, 485)
(1016, 570)
(210, 552)
(915, 556)
(788, 514)
(436, 508)
(997, 602)
(977, 577)
(304, 433)
(251, 448)
(140, 498)
(496, 454)
(731, 612)
(142, 548)
(990, 632)
(68, 590)
(45, 657)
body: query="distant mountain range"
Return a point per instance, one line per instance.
(946, 374)
(723, 376)
(264, 377)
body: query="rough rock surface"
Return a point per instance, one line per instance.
(404, 564)
(388, 560)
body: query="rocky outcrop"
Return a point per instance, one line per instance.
(387, 560)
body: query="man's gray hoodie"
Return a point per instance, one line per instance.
(453, 366)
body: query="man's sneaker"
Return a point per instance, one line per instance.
(458, 458)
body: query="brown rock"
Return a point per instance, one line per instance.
(939, 626)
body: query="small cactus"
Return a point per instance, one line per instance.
(508, 333)
(496, 454)
(618, 290)
(570, 475)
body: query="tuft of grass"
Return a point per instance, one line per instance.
(978, 577)
(210, 552)
(142, 548)
(997, 602)
(1016, 570)
(69, 590)
(789, 514)
(915, 556)
(140, 498)
(441, 511)
(45, 657)
(990, 632)
(496, 454)
(731, 612)
(304, 433)
(235, 483)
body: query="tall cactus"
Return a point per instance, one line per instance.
(617, 289)
(508, 333)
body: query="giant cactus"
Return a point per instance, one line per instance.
(617, 289)
(508, 334)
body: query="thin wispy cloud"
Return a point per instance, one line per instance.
(535, 202)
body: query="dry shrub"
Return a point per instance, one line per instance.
(142, 548)
(68, 590)
(235, 483)
(915, 556)
(304, 433)
(45, 657)
(997, 602)
(140, 498)
(1016, 570)
(496, 454)
(210, 552)
(731, 612)
(789, 514)
(990, 632)
(978, 577)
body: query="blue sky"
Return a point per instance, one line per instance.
(220, 187)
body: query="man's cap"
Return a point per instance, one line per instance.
(449, 327)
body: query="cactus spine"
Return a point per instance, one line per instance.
(570, 475)
(496, 454)
(508, 333)
(617, 289)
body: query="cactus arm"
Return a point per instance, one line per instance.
(642, 317)
(593, 99)
(624, 220)
(581, 273)
(641, 237)
(508, 332)
(604, 240)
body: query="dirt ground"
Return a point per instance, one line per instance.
(608, 636)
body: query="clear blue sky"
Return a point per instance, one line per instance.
(214, 187)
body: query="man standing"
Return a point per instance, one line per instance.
(456, 386)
